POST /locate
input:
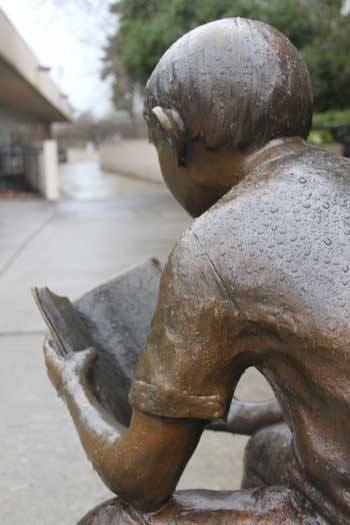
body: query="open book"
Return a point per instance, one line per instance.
(114, 319)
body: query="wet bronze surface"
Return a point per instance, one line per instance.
(263, 506)
(260, 279)
(222, 90)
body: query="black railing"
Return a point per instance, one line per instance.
(19, 167)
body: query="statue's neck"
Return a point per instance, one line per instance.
(273, 150)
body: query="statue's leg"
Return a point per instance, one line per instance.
(113, 512)
(265, 456)
(267, 506)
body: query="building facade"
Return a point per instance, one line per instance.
(30, 103)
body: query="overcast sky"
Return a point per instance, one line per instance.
(69, 39)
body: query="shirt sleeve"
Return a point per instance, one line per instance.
(187, 368)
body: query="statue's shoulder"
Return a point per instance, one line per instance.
(284, 232)
(284, 193)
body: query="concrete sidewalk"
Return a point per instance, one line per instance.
(72, 246)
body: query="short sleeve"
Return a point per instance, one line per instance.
(186, 370)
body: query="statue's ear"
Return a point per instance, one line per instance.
(173, 125)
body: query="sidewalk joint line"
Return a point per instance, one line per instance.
(24, 245)
(23, 333)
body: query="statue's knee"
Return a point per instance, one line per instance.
(252, 463)
(265, 456)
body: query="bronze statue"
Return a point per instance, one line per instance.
(262, 278)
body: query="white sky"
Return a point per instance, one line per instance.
(69, 39)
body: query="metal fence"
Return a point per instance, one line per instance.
(19, 167)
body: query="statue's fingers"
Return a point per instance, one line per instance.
(81, 361)
(54, 366)
(51, 358)
(89, 356)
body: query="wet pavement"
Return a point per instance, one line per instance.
(85, 181)
(72, 246)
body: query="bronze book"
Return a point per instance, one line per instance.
(114, 319)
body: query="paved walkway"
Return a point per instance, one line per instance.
(85, 181)
(72, 246)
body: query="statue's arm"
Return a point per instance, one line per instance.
(246, 418)
(143, 464)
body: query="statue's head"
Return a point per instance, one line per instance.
(220, 92)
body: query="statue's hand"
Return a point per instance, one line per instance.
(246, 418)
(65, 372)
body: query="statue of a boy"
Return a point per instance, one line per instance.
(260, 279)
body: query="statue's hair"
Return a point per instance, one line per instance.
(234, 82)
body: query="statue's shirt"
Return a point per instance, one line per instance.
(263, 279)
